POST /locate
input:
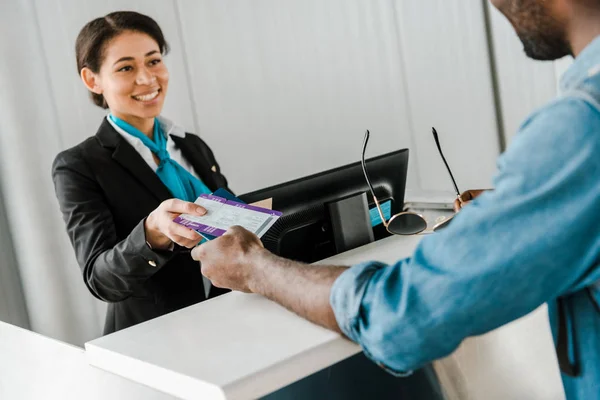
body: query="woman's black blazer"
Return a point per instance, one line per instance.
(105, 190)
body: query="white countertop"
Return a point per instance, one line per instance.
(34, 367)
(237, 346)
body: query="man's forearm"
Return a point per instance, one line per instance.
(301, 288)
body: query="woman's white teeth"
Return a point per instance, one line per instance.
(147, 97)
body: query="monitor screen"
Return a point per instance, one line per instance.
(304, 232)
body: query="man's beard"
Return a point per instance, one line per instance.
(544, 47)
(542, 35)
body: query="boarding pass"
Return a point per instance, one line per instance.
(221, 214)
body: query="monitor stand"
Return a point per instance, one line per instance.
(350, 222)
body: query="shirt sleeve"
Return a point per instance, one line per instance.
(532, 239)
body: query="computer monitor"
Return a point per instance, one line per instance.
(304, 232)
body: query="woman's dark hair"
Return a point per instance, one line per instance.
(92, 40)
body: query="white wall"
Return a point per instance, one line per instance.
(306, 77)
(57, 300)
(278, 88)
(12, 301)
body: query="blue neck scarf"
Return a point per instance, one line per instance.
(178, 180)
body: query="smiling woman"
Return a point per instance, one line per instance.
(120, 189)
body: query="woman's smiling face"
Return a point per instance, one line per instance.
(132, 78)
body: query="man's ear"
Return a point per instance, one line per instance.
(91, 80)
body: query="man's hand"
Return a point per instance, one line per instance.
(238, 260)
(233, 260)
(466, 197)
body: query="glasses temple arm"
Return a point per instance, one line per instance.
(364, 168)
(437, 142)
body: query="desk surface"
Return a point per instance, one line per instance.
(236, 346)
(35, 367)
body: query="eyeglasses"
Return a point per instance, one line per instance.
(445, 222)
(404, 223)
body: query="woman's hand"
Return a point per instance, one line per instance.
(162, 232)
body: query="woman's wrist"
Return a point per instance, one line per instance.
(155, 239)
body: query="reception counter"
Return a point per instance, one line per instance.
(35, 367)
(243, 346)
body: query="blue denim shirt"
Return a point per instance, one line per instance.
(532, 240)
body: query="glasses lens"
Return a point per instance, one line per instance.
(407, 224)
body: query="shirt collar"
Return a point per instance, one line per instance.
(167, 126)
(586, 64)
(170, 128)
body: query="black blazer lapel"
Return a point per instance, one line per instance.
(131, 160)
(199, 160)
